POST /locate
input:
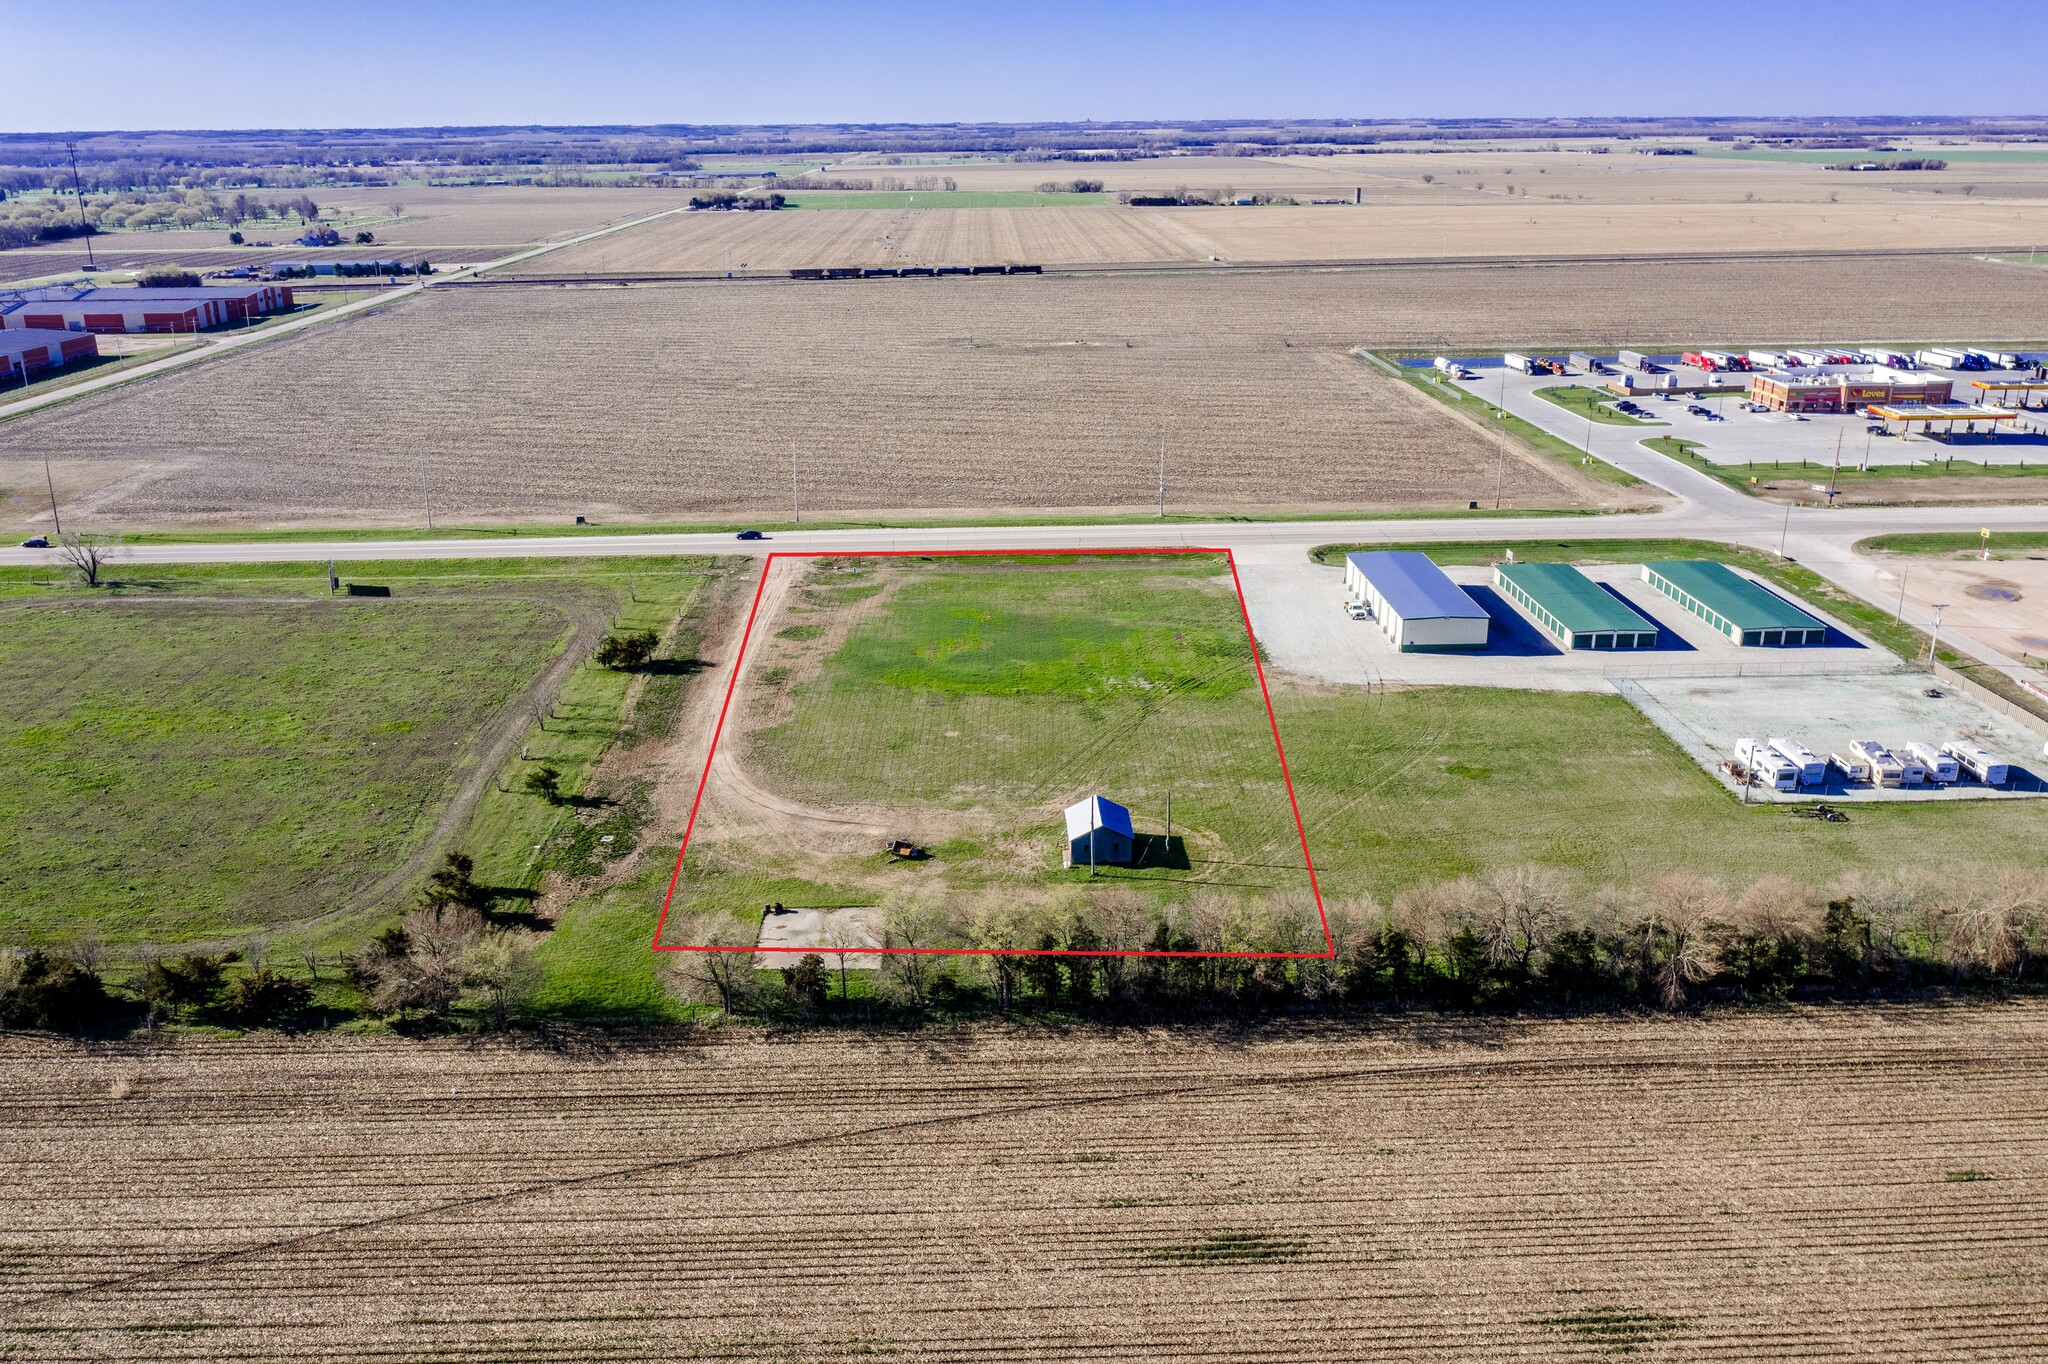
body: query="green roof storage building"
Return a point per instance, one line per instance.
(1746, 612)
(1573, 609)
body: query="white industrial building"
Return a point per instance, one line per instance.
(1099, 834)
(1416, 605)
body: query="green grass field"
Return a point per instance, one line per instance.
(208, 752)
(978, 697)
(959, 198)
(1531, 435)
(1591, 402)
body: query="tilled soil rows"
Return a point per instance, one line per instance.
(1839, 1184)
(937, 394)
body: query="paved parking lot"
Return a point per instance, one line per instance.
(1769, 437)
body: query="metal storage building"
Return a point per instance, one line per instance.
(24, 351)
(1417, 607)
(1098, 833)
(1746, 612)
(1573, 609)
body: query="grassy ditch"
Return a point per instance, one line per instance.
(1581, 401)
(2005, 544)
(1750, 477)
(1530, 435)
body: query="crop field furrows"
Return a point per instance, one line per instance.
(1088, 235)
(926, 393)
(1804, 1185)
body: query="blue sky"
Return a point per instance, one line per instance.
(204, 64)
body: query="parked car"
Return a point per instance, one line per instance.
(36, 542)
(1357, 610)
(750, 535)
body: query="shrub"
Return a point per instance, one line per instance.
(624, 653)
(264, 998)
(545, 781)
(193, 981)
(55, 994)
(168, 277)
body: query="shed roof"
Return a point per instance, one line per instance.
(1581, 605)
(1097, 812)
(15, 340)
(1727, 593)
(1415, 587)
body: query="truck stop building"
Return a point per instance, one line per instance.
(1417, 607)
(1844, 388)
(1748, 613)
(1573, 609)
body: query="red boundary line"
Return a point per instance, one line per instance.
(1265, 695)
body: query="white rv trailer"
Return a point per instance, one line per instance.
(1766, 765)
(1813, 769)
(1939, 765)
(1886, 767)
(1855, 770)
(1979, 763)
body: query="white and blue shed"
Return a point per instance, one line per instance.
(1099, 833)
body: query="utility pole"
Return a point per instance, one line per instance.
(427, 496)
(1500, 471)
(1785, 530)
(796, 510)
(1168, 849)
(48, 481)
(84, 228)
(1899, 614)
(1162, 478)
(1934, 638)
(1835, 472)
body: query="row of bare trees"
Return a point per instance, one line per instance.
(1514, 938)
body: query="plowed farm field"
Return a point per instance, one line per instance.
(938, 394)
(972, 393)
(875, 237)
(1849, 1184)
(1438, 227)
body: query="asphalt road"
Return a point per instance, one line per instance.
(1820, 537)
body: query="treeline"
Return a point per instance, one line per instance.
(125, 177)
(1516, 939)
(920, 184)
(1910, 164)
(1070, 187)
(748, 202)
(57, 217)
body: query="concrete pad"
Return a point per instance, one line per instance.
(823, 931)
(1706, 716)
